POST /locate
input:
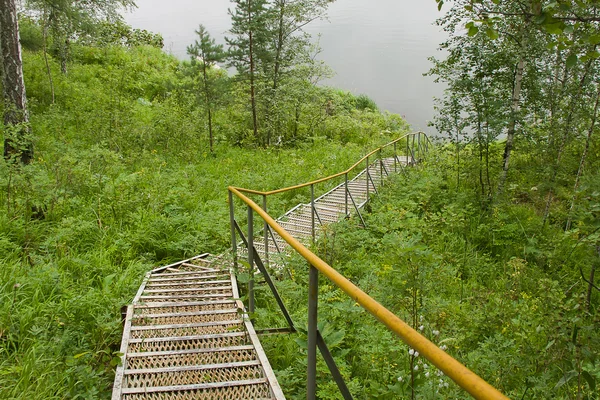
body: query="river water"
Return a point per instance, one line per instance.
(376, 47)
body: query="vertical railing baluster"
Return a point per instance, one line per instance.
(407, 141)
(395, 157)
(380, 167)
(266, 230)
(367, 176)
(251, 260)
(413, 149)
(346, 193)
(313, 297)
(233, 236)
(312, 211)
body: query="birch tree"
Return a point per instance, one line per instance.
(17, 140)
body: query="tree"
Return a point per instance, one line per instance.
(247, 46)
(288, 47)
(71, 19)
(549, 49)
(17, 143)
(207, 53)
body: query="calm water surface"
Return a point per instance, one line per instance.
(376, 47)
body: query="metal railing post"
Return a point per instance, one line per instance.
(407, 153)
(368, 175)
(266, 230)
(413, 149)
(395, 158)
(313, 297)
(346, 193)
(312, 211)
(380, 166)
(233, 237)
(419, 145)
(251, 260)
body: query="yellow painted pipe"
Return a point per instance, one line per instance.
(460, 374)
(258, 192)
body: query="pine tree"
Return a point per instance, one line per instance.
(208, 54)
(248, 47)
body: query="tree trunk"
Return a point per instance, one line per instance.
(280, 38)
(565, 138)
(252, 89)
(17, 144)
(64, 50)
(583, 159)
(208, 102)
(591, 286)
(480, 149)
(45, 50)
(510, 134)
(276, 69)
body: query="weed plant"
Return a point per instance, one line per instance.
(489, 286)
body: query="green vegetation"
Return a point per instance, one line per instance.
(123, 179)
(494, 289)
(490, 247)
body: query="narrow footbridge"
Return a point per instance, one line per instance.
(188, 335)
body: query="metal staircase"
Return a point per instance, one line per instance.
(187, 336)
(304, 224)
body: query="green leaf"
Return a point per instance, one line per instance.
(335, 338)
(590, 380)
(491, 33)
(243, 277)
(566, 378)
(540, 19)
(571, 60)
(554, 29)
(302, 343)
(440, 4)
(473, 30)
(594, 39)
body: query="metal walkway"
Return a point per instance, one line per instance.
(304, 224)
(187, 335)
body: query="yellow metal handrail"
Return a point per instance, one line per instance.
(302, 185)
(460, 374)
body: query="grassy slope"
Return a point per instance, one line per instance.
(122, 181)
(474, 282)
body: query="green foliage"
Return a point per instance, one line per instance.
(31, 35)
(119, 33)
(492, 289)
(364, 102)
(123, 180)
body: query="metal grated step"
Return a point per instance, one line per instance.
(186, 336)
